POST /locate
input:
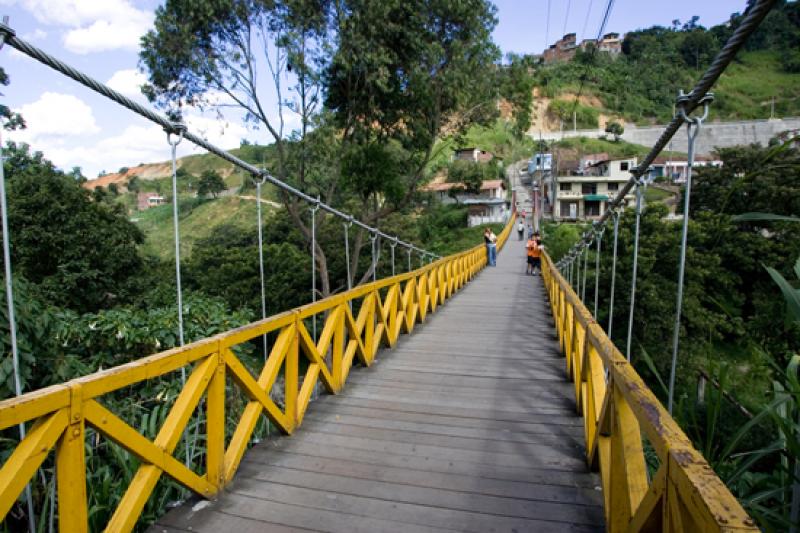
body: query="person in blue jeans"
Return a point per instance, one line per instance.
(490, 239)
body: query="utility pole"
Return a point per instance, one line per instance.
(772, 109)
(575, 121)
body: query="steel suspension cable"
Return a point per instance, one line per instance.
(634, 268)
(393, 245)
(613, 275)
(314, 210)
(408, 251)
(173, 144)
(261, 264)
(373, 238)
(597, 269)
(693, 125)
(347, 252)
(12, 319)
(50, 61)
(585, 270)
(566, 18)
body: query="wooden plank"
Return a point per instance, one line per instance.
(466, 425)
(360, 468)
(534, 424)
(528, 474)
(443, 498)
(246, 514)
(535, 413)
(406, 513)
(571, 445)
(493, 432)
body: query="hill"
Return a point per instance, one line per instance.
(198, 219)
(150, 174)
(641, 83)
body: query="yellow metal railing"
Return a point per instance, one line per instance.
(619, 411)
(61, 413)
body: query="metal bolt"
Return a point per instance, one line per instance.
(749, 521)
(76, 432)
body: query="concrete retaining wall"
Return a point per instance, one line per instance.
(714, 134)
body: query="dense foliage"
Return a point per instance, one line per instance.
(732, 329)
(641, 84)
(82, 253)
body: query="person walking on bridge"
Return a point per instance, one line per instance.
(534, 247)
(490, 239)
(520, 230)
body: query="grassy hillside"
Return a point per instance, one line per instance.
(744, 91)
(198, 218)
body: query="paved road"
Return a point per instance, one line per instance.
(468, 425)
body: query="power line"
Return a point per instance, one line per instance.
(752, 18)
(593, 52)
(566, 18)
(547, 28)
(586, 20)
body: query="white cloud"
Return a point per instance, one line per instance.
(55, 116)
(94, 25)
(36, 35)
(105, 35)
(128, 82)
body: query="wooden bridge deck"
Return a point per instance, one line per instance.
(468, 425)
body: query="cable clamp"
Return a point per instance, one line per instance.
(5, 31)
(175, 128)
(683, 100)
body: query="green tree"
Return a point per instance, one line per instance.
(393, 75)
(210, 183)
(113, 188)
(225, 265)
(516, 83)
(11, 120)
(133, 184)
(468, 175)
(616, 129)
(82, 254)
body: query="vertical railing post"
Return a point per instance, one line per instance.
(291, 388)
(71, 469)
(215, 425)
(337, 350)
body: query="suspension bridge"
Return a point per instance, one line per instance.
(459, 397)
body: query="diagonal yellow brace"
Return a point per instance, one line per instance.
(145, 479)
(28, 456)
(117, 430)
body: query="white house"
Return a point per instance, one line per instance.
(489, 205)
(675, 169)
(586, 196)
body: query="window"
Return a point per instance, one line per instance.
(567, 187)
(589, 188)
(613, 186)
(624, 165)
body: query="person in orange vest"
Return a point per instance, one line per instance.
(534, 246)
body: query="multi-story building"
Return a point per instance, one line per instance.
(564, 48)
(674, 170)
(585, 195)
(489, 205)
(476, 155)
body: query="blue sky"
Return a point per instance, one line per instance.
(75, 127)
